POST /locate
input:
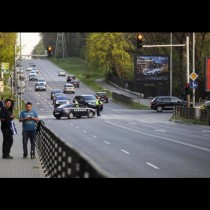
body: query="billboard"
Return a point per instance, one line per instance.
(207, 85)
(151, 68)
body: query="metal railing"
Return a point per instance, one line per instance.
(60, 160)
(190, 113)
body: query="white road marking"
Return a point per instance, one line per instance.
(152, 165)
(205, 131)
(85, 131)
(93, 136)
(132, 123)
(50, 105)
(160, 137)
(37, 103)
(125, 151)
(106, 142)
(160, 131)
(77, 127)
(41, 109)
(45, 100)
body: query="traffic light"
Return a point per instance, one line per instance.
(139, 38)
(49, 51)
(187, 88)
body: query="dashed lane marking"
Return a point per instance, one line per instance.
(126, 152)
(152, 165)
(106, 142)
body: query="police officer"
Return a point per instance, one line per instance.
(98, 102)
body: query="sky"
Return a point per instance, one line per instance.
(28, 42)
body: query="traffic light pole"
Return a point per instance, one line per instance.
(187, 55)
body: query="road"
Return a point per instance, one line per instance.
(126, 143)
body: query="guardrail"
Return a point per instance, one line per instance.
(190, 113)
(60, 160)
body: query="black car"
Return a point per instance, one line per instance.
(55, 91)
(60, 99)
(74, 82)
(88, 100)
(161, 103)
(70, 77)
(73, 110)
(103, 96)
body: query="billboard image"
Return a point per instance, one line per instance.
(151, 68)
(207, 74)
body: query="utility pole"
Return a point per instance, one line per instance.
(60, 49)
(193, 65)
(171, 72)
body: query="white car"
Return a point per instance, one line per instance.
(68, 88)
(29, 68)
(40, 86)
(42, 80)
(62, 73)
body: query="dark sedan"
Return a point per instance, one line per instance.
(75, 82)
(55, 91)
(73, 110)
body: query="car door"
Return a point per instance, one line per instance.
(167, 103)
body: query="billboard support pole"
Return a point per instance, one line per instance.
(171, 54)
(188, 68)
(193, 65)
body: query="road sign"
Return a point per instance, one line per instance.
(193, 84)
(193, 76)
(5, 68)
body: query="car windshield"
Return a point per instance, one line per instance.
(57, 91)
(101, 94)
(40, 84)
(90, 97)
(61, 98)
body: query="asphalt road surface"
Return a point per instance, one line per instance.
(124, 142)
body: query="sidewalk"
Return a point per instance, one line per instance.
(114, 88)
(19, 167)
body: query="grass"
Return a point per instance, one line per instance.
(190, 121)
(80, 69)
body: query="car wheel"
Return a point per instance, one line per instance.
(159, 109)
(90, 114)
(58, 117)
(70, 115)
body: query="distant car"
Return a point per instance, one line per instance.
(40, 86)
(73, 110)
(34, 70)
(55, 91)
(161, 103)
(33, 76)
(74, 82)
(32, 64)
(87, 100)
(68, 88)
(103, 96)
(42, 80)
(70, 77)
(62, 73)
(61, 99)
(29, 69)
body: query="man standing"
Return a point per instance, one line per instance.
(6, 118)
(29, 117)
(98, 102)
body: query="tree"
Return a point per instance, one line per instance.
(108, 52)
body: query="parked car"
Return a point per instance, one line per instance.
(62, 73)
(68, 88)
(88, 101)
(161, 103)
(73, 110)
(103, 96)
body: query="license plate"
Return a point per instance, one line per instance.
(56, 113)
